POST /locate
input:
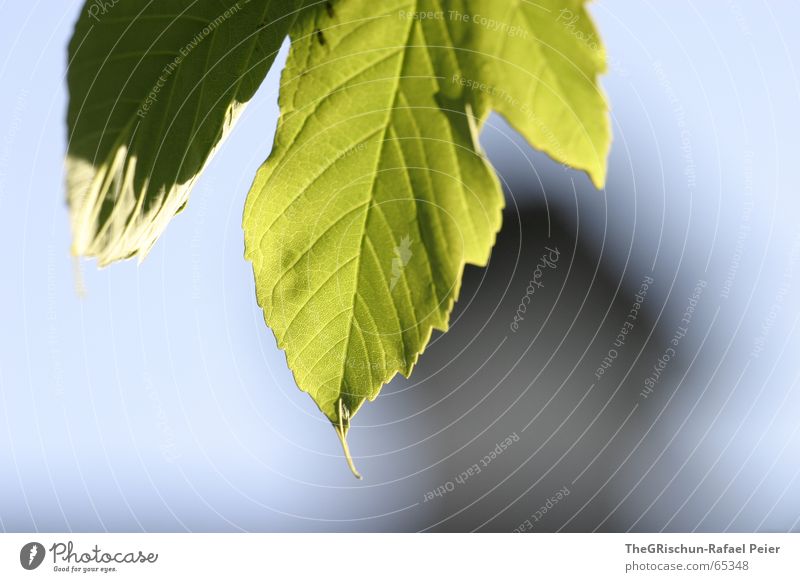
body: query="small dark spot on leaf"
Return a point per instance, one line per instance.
(329, 9)
(320, 36)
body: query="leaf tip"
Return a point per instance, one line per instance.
(598, 177)
(341, 431)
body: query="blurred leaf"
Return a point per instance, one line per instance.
(537, 64)
(154, 88)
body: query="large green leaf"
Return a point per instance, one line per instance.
(154, 88)
(376, 193)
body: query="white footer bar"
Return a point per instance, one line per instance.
(378, 557)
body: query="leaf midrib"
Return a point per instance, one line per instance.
(378, 157)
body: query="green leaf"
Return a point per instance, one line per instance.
(376, 193)
(154, 87)
(537, 64)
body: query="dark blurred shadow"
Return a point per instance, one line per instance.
(534, 382)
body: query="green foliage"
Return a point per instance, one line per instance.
(376, 194)
(154, 88)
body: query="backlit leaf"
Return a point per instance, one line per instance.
(155, 86)
(377, 194)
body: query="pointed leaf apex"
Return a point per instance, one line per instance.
(341, 430)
